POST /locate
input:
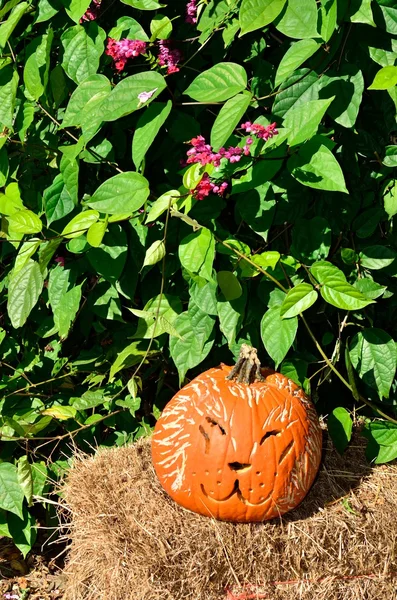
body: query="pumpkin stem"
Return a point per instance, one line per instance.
(248, 368)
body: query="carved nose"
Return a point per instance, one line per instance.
(239, 467)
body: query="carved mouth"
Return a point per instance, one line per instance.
(236, 490)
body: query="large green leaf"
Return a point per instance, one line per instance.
(35, 74)
(89, 88)
(159, 315)
(76, 8)
(143, 4)
(340, 427)
(123, 193)
(277, 334)
(347, 88)
(299, 298)
(147, 128)
(377, 257)
(361, 12)
(11, 493)
(255, 14)
(315, 166)
(382, 446)
(327, 21)
(23, 292)
(295, 56)
(57, 200)
(299, 19)
(9, 24)
(302, 87)
(197, 252)
(228, 118)
(384, 79)
(25, 221)
(303, 120)
(83, 47)
(323, 270)
(258, 208)
(8, 91)
(66, 311)
(124, 98)
(25, 479)
(341, 294)
(196, 330)
(80, 223)
(23, 531)
(374, 356)
(231, 315)
(311, 239)
(221, 82)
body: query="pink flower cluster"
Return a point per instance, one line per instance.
(260, 131)
(124, 49)
(92, 11)
(207, 187)
(191, 12)
(169, 58)
(203, 153)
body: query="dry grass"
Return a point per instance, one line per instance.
(129, 541)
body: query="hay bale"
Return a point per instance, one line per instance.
(129, 541)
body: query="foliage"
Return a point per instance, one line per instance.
(126, 269)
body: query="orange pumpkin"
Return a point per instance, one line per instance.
(240, 444)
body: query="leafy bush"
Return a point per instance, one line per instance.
(178, 179)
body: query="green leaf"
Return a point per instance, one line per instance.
(390, 159)
(160, 27)
(57, 200)
(161, 205)
(347, 88)
(303, 121)
(311, 239)
(195, 328)
(229, 284)
(324, 270)
(343, 295)
(228, 118)
(123, 193)
(23, 293)
(96, 232)
(58, 284)
(83, 47)
(66, 311)
(143, 4)
(295, 56)
(377, 257)
(197, 251)
(258, 208)
(340, 427)
(80, 223)
(39, 477)
(299, 19)
(203, 295)
(147, 128)
(277, 334)
(390, 198)
(88, 89)
(61, 413)
(384, 79)
(150, 325)
(35, 74)
(133, 354)
(374, 355)
(8, 91)
(25, 221)
(11, 493)
(192, 176)
(299, 298)
(25, 478)
(4, 530)
(25, 252)
(127, 27)
(124, 99)
(76, 9)
(231, 315)
(361, 12)
(9, 25)
(219, 83)
(369, 288)
(154, 253)
(255, 14)
(382, 437)
(23, 531)
(303, 86)
(4, 167)
(315, 166)
(328, 14)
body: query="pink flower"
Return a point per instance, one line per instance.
(92, 11)
(260, 131)
(124, 49)
(203, 153)
(191, 12)
(60, 260)
(169, 58)
(205, 187)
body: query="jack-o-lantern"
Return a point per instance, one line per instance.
(241, 444)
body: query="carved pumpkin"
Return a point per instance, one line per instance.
(235, 450)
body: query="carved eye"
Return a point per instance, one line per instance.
(269, 434)
(214, 423)
(205, 434)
